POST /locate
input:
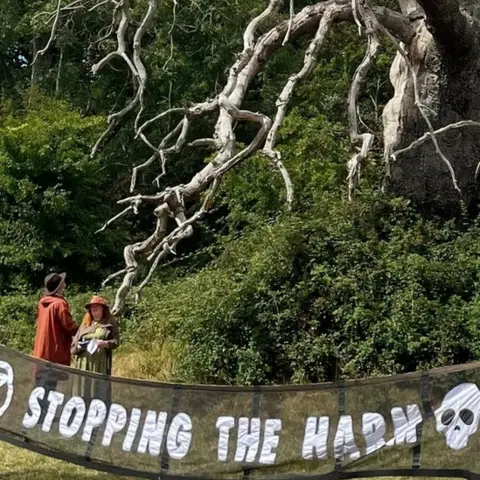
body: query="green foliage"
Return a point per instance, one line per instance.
(327, 290)
(331, 290)
(17, 326)
(351, 291)
(52, 197)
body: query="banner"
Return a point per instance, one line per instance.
(422, 424)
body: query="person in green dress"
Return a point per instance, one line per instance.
(92, 348)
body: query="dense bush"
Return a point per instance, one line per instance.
(343, 291)
(53, 197)
(351, 291)
(17, 325)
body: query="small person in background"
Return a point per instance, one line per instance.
(55, 329)
(93, 344)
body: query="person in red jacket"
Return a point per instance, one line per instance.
(53, 338)
(55, 327)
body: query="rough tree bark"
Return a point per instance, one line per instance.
(445, 52)
(431, 125)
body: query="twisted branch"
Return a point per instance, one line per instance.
(365, 139)
(139, 73)
(428, 136)
(52, 33)
(285, 97)
(290, 23)
(171, 201)
(226, 110)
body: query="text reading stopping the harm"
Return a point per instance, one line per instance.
(257, 440)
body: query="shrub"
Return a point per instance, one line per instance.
(324, 297)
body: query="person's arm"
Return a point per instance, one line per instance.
(74, 347)
(67, 322)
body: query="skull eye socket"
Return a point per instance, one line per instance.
(448, 416)
(467, 416)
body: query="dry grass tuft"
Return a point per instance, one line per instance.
(155, 362)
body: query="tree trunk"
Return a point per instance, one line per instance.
(446, 56)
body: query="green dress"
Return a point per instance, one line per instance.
(98, 362)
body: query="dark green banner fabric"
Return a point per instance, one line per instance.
(421, 424)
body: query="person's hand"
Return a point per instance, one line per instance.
(102, 344)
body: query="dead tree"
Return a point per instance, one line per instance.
(430, 136)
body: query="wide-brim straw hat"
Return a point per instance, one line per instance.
(97, 300)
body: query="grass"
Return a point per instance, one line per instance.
(19, 464)
(155, 362)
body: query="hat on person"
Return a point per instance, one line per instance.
(97, 300)
(53, 282)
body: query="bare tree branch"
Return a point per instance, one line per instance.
(287, 93)
(226, 112)
(99, 4)
(139, 74)
(116, 217)
(170, 33)
(290, 23)
(171, 201)
(204, 142)
(158, 153)
(365, 139)
(356, 17)
(140, 68)
(59, 73)
(181, 129)
(140, 129)
(428, 136)
(113, 276)
(52, 32)
(52, 15)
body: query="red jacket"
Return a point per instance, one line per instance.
(55, 329)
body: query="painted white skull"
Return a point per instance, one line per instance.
(458, 416)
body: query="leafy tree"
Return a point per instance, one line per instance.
(53, 197)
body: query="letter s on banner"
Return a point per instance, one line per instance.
(6, 378)
(30, 420)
